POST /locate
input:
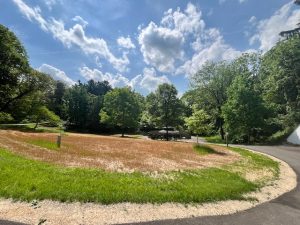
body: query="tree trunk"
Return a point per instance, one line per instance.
(222, 131)
(36, 125)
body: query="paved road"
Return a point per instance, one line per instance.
(284, 210)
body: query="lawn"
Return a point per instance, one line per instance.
(215, 139)
(41, 171)
(25, 179)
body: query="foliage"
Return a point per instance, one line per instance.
(280, 82)
(244, 111)
(211, 83)
(199, 122)
(164, 107)
(5, 117)
(42, 113)
(121, 108)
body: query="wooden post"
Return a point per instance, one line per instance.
(226, 135)
(197, 140)
(58, 142)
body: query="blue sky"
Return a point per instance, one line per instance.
(142, 43)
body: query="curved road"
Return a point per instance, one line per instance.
(284, 210)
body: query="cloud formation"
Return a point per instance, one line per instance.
(56, 74)
(267, 30)
(74, 36)
(125, 42)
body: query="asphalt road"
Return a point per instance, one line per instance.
(284, 210)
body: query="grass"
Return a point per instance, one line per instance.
(215, 139)
(29, 127)
(26, 179)
(204, 149)
(253, 162)
(44, 144)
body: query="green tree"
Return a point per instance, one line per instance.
(280, 82)
(78, 104)
(17, 79)
(244, 112)
(57, 100)
(211, 83)
(165, 107)
(122, 108)
(42, 113)
(199, 122)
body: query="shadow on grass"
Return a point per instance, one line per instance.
(205, 149)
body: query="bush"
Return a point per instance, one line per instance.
(5, 117)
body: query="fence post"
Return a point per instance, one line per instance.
(58, 142)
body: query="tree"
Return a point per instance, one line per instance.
(280, 83)
(78, 104)
(244, 112)
(42, 113)
(199, 122)
(166, 108)
(122, 108)
(211, 83)
(17, 79)
(57, 100)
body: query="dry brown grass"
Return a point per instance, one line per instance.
(115, 153)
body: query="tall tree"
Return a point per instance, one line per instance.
(244, 111)
(78, 103)
(280, 82)
(211, 83)
(122, 108)
(17, 79)
(166, 108)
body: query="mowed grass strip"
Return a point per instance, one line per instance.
(51, 145)
(24, 179)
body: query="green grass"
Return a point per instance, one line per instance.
(204, 149)
(215, 139)
(51, 145)
(25, 179)
(254, 162)
(29, 127)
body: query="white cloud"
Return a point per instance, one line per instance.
(223, 1)
(150, 81)
(146, 82)
(252, 20)
(187, 22)
(56, 74)
(74, 36)
(50, 3)
(161, 46)
(117, 80)
(213, 49)
(125, 42)
(268, 30)
(80, 20)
